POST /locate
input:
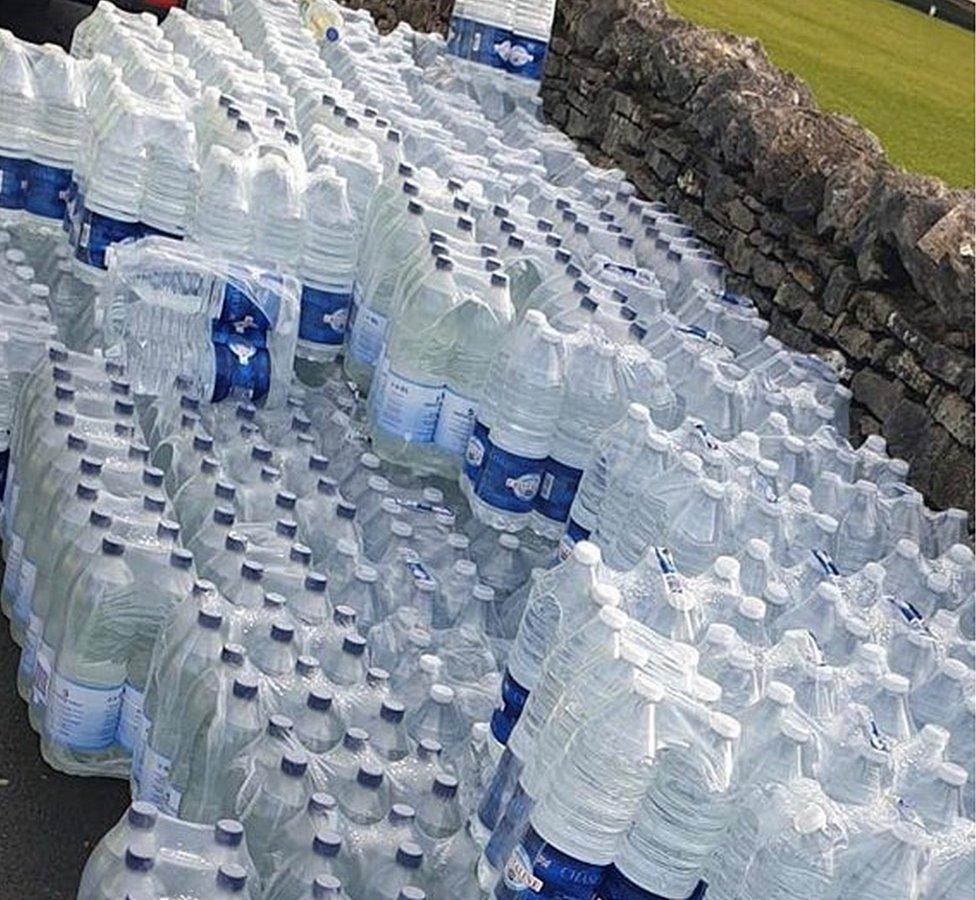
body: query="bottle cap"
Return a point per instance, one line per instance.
(294, 763)
(409, 855)
(370, 775)
(587, 553)
(780, 693)
(605, 595)
(228, 833)
(441, 694)
(142, 814)
(231, 877)
(810, 819)
(320, 699)
(354, 644)
(326, 843)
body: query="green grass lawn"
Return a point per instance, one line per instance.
(905, 76)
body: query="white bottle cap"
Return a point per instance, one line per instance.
(433, 495)
(483, 592)
(346, 546)
(895, 683)
(954, 669)
(874, 571)
(605, 595)
(776, 593)
(366, 573)
(378, 483)
(429, 664)
(726, 568)
(800, 493)
(907, 549)
(706, 691)
(638, 412)
(725, 726)
(647, 687)
(712, 488)
(952, 774)
(401, 528)
(509, 541)
(752, 608)
(587, 553)
(466, 567)
(960, 554)
(935, 736)
(757, 549)
(458, 541)
(369, 460)
(441, 693)
(810, 819)
(615, 619)
(718, 634)
(780, 693)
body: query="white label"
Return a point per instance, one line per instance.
(155, 779)
(455, 423)
(42, 673)
(81, 717)
(139, 751)
(408, 409)
(8, 491)
(130, 718)
(85, 235)
(12, 573)
(366, 339)
(25, 590)
(35, 628)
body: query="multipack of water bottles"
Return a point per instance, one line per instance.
(407, 510)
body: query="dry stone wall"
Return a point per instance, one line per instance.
(847, 256)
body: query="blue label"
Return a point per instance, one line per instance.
(240, 370)
(460, 36)
(510, 482)
(4, 468)
(558, 489)
(70, 210)
(538, 869)
(526, 57)
(617, 886)
(47, 190)
(13, 182)
(503, 719)
(500, 790)
(573, 535)
(510, 828)
(97, 233)
(476, 453)
(324, 316)
(251, 305)
(490, 45)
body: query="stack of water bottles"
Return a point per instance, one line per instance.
(561, 579)
(511, 36)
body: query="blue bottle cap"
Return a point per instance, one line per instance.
(229, 833)
(328, 843)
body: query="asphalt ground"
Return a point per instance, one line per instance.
(48, 822)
